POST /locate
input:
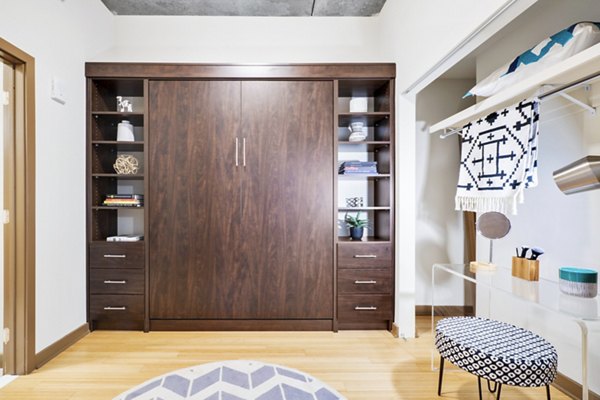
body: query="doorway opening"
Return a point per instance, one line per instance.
(17, 212)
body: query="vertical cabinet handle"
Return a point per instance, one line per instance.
(244, 152)
(237, 161)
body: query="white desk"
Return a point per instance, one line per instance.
(543, 293)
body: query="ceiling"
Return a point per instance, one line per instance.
(271, 8)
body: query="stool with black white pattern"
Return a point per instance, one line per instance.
(496, 351)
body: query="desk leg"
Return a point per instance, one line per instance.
(432, 315)
(584, 360)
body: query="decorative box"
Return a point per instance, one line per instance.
(582, 282)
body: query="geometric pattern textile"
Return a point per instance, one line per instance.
(499, 159)
(497, 351)
(233, 380)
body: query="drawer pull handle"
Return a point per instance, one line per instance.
(365, 256)
(365, 282)
(115, 256)
(110, 308)
(368, 308)
(109, 282)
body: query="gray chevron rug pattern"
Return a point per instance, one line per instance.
(233, 380)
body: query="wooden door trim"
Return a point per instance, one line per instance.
(22, 311)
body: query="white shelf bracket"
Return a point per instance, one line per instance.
(450, 131)
(578, 102)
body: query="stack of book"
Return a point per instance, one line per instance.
(125, 238)
(124, 200)
(358, 167)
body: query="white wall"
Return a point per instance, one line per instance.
(439, 228)
(415, 35)
(61, 36)
(244, 39)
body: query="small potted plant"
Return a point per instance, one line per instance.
(356, 225)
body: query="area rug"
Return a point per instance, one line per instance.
(233, 380)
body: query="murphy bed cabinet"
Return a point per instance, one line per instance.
(239, 204)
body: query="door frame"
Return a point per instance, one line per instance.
(19, 271)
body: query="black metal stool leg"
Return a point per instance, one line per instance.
(548, 391)
(499, 389)
(441, 375)
(490, 388)
(479, 384)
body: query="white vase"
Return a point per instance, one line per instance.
(125, 132)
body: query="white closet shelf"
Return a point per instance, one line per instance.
(576, 68)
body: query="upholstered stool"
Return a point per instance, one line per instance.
(496, 351)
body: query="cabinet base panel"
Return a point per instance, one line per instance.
(240, 325)
(108, 324)
(364, 325)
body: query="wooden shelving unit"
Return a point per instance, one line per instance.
(365, 268)
(113, 305)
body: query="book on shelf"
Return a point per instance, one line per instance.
(125, 238)
(123, 200)
(125, 196)
(358, 167)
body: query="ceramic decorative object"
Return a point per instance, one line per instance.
(125, 132)
(359, 104)
(124, 105)
(582, 282)
(126, 164)
(358, 134)
(354, 202)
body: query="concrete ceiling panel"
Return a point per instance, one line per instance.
(211, 7)
(273, 8)
(339, 8)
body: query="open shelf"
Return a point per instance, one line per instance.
(367, 118)
(578, 68)
(119, 176)
(369, 239)
(363, 176)
(369, 146)
(374, 208)
(117, 208)
(120, 145)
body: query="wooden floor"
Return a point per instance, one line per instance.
(360, 364)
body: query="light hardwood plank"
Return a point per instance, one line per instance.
(360, 364)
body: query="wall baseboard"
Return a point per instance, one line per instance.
(395, 330)
(61, 345)
(571, 388)
(444, 311)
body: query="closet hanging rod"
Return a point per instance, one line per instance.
(558, 91)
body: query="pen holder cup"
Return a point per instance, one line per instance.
(526, 269)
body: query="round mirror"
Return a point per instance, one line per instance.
(493, 225)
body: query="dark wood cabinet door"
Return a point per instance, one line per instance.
(286, 245)
(194, 193)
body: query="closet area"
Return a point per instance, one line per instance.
(231, 220)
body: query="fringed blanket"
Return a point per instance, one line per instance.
(498, 159)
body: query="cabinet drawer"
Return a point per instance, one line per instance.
(369, 280)
(360, 255)
(116, 306)
(117, 255)
(364, 307)
(116, 281)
